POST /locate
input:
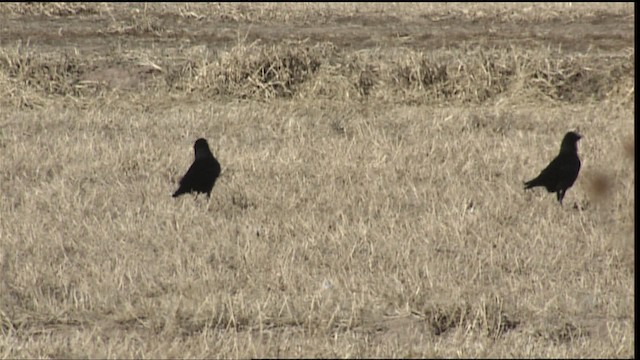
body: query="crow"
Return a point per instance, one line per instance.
(563, 171)
(202, 174)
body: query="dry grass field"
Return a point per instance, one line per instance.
(371, 201)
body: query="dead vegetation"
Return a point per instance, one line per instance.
(302, 71)
(366, 14)
(49, 9)
(370, 203)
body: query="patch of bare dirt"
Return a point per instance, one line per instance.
(606, 32)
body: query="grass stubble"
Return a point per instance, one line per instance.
(370, 202)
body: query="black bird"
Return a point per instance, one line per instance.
(202, 174)
(563, 171)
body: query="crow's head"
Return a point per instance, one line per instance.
(570, 142)
(201, 148)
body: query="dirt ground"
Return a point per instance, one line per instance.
(95, 31)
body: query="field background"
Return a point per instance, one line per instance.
(371, 200)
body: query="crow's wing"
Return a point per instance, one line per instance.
(560, 173)
(187, 181)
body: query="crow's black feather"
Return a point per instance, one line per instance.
(563, 171)
(202, 174)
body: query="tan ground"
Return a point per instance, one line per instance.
(371, 201)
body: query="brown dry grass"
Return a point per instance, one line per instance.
(371, 201)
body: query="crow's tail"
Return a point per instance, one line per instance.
(531, 183)
(178, 192)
